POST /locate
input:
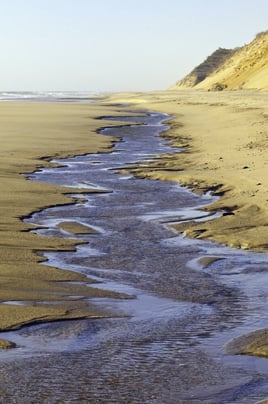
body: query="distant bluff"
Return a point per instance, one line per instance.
(232, 69)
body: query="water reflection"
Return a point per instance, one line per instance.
(166, 344)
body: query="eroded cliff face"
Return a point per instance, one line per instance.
(205, 69)
(232, 69)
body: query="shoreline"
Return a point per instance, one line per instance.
(204, 302)
(224, 139)
(33, 134)
(18, 269)
(65, 308)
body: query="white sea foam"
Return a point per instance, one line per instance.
(47, 95)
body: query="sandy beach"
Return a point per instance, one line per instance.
(224, 142)
(31, 134)
(219, 136)
(134, 202)
(224, 145)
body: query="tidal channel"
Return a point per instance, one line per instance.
(165, 344)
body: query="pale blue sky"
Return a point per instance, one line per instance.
(117, 45)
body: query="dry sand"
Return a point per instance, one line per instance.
(31, 133)
(225, 141)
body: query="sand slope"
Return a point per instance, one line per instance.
(242, 68)
(212, 63)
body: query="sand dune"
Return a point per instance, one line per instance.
(225, 69)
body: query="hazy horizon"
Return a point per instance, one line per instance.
(116, 45)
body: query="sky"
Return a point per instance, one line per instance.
(117, 45)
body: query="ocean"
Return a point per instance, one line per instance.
(49, 96)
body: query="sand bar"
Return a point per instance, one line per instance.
(77, 228)
(254, 343)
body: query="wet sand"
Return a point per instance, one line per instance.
(225, 140)
(191, 296)
(194, 287)
(31, 133)
(255, 343)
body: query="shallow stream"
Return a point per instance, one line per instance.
(166, 343)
